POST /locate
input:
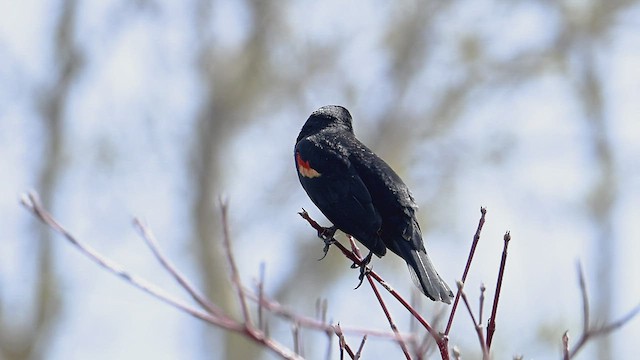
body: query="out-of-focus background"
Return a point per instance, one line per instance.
(113, 109)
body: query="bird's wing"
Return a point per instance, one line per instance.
(338, 191)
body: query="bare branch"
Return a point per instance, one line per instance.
(611, 327)
(308, 322)
(152, 243)
(585, 299)
(474, 244)
(392, 324)
(589, 333)
(481, 303)
(235, 276)
(491, 327)
(359, 352)
(261, 323)
(297, 340)
(343, 342)
(565, 346)
(476, 325)
(32, 203)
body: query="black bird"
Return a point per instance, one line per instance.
(362, 196)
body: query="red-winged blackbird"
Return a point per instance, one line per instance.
(362, 196)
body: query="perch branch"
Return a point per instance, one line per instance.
(472, 251)
(440, 340)
(392, 323)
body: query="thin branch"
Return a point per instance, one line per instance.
(343, 342)
(476, 325)
(392, 324)
(491, 327)
(261, 323)
(297, 340)
(474, 244)
(605, 329)
(235, 276)
(32, 203)
(321, 314)
(589, 333)
(278, 309)
(152, 243)
(565, 346)
(359, 352)
(481, 305)
(585, 299)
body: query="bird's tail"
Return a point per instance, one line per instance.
(425, 276)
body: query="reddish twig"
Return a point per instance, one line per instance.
(343, 342)
(476, 324)
(474, 244)
(491, 327)
(392, 324)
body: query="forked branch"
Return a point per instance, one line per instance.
(590, 332)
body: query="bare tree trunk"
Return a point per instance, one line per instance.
(603, 196)
(31, 343)
(232, 83)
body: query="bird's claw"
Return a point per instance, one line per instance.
(325, 249)
(326, 234)
(364, 268)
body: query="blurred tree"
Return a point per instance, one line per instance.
(29, 339)
(233, 81)
(586, 26)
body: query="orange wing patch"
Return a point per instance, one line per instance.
(304, 168)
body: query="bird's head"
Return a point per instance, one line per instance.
(330, 116)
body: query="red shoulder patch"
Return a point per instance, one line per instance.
(304, 168)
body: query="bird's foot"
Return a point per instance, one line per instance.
(364, 268)
(326, 234)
